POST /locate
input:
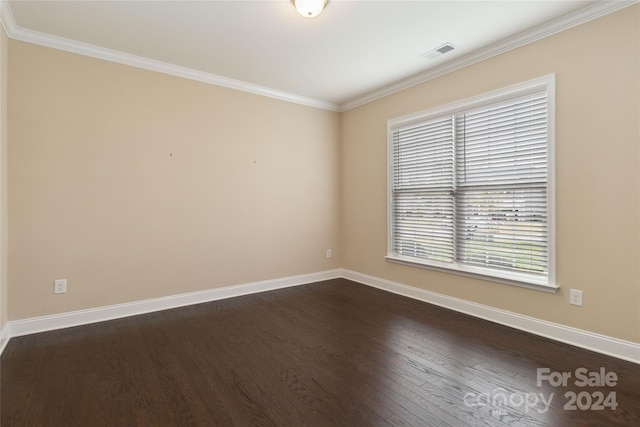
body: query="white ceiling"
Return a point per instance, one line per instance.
(352, 51)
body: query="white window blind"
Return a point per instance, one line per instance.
(470, 188)
(423, 206)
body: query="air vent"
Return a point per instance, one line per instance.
(439, 51)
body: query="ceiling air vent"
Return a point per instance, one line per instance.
(439, 51)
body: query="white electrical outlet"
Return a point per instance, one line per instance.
(60, 286)
(328, 253)
(575, 297)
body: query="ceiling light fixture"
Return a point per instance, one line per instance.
(309, 8)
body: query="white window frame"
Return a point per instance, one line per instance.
(545, 283)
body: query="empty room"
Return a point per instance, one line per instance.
(320, 213)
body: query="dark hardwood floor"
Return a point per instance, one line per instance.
(334, 353)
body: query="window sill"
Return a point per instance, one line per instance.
(507, 278)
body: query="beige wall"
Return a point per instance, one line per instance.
(598, 183)
(3, 179)
(132, 184)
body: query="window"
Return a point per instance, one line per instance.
(471, 186)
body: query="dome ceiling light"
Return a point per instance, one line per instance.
(309, 8)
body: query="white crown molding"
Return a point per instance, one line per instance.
(603, 344)
(99, 314)
(22, 34)
(589, 13)
(6, 17)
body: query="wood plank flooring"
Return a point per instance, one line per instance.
(334, 353)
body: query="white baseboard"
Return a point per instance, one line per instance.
(4, 337)
(610, 346)
(82, 317)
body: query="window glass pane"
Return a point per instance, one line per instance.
(503, 143)
(423, 155)
(503, 228)
(423, 225)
